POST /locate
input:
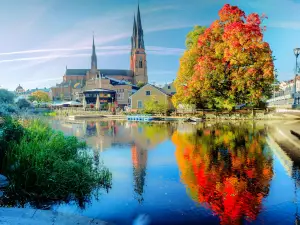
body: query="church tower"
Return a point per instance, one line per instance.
(138, 60)
(94, 70)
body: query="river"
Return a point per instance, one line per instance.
(183, 173)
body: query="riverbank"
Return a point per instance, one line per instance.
(286, 135)
(16, 216)
(75, 114)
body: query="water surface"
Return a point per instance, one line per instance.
(188, 174)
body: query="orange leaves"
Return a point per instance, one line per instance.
(231, 13)
(225, 170)
(229, 63)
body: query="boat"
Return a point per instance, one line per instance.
(144, 118)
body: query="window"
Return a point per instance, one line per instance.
(148, 92)
(169, 87)
(140, 104)
(140, 63)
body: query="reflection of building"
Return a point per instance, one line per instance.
(122, 81)
(139, 162)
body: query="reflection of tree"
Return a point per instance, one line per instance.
(139, 161)
(225, 169)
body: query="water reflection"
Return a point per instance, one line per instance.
(139, 161)
(139, 137)
(225, 168)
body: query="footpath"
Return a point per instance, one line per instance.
(20, 216)
(287, 136)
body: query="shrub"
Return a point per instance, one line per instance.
(10, 131)
(52, 166)
(23, 103)
(6, 96)
(8, 109)
(153, 107)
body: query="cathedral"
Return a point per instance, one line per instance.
(123, 82)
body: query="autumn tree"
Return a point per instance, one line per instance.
(234, 64)
(39, 96)
(187, 64)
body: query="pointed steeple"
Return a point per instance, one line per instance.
(140, 34)
(134, 34)
(94, 58)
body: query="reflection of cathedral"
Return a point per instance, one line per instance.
(139, 162)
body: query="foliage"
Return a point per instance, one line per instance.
(154, 107)
(187, 64)
(234, 64)
(226, 168)
(10, 131)
(140, 84)
(8, 109)
(23, 103)
(6, 97)
(39, 96)
(50, 166)
(53, 113)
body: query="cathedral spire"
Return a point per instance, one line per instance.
(140, 34)
(134, 34)
(94, 58)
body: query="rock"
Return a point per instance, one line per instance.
(3, 181)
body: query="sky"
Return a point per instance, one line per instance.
(39, 38)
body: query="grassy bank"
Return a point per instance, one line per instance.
(43, 164)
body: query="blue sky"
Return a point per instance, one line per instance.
(40, 37)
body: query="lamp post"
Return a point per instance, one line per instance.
(297, 53)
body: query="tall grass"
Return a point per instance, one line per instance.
(45, 164)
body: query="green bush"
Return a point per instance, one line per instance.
(10, 132)
(45, 165)
(23, 103)
(6, 96)
(153, 107)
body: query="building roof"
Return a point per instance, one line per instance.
(99, 90)
(114, 81)
(104, 72)
(161, 90)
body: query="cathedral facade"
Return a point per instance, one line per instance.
(123, 82)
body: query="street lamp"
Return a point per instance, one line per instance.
(297, 53)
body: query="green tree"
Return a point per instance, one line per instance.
(6, 96)
(39, 96)
(23, 103)
(187, 65)
(154, 107)
(140, 84)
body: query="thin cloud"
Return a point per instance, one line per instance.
(115, 50)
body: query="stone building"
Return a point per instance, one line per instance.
(124, 82)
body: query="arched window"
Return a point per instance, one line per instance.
(141, 63)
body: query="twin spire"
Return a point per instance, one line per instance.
(137, 39)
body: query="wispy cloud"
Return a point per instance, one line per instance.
(109, 50)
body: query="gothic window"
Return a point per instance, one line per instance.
(141, 63)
